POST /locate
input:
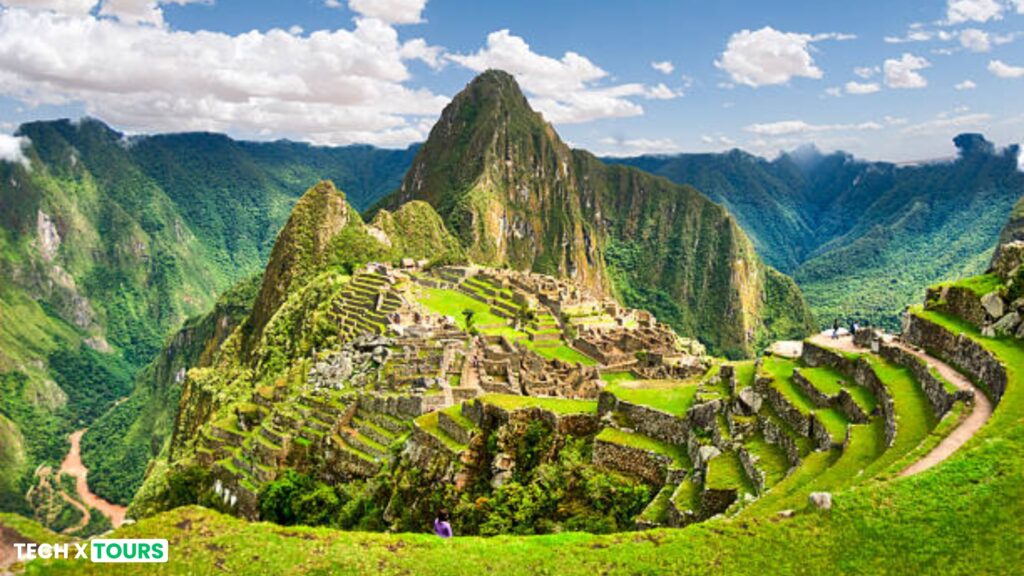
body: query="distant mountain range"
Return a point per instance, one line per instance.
(862, 239)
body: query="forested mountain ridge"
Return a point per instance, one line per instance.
(862, 239)
(108, 243)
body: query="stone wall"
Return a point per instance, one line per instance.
(651, 467)
(960, 351)
(817, 397)
(703, 415)
(815, 356)
(933, 384)
(842, 400)
(645, 420)
(960, 302)
(750, 467)
(788, 412)
(452, 428)
(864, 375)
(773, 434)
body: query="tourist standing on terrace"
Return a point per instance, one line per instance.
(441, 526)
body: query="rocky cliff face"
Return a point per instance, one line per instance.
(1013, 231)
(505, 184)
(514, 194)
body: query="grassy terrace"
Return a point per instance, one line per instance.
(455, 413)
(453, 303)
(771, 459)
(980, 285)
(428, 422)
(616, 377)
(781, 370)
(512, 402)
(641, 442)
(672, 396)
(726, 473)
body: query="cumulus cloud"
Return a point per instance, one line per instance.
(12, 149)
(565, 90)
(959, 11)
(966, 85)
(665, 66)
(390, 11)
(786, 127)
(975, 40)
(768, 56)
(1004, 70)
(862, 87)
(329, 87)
(141, 11)
(903, 73)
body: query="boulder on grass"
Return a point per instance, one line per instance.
(821, 500)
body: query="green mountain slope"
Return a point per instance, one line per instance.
(862, 239)
(108, 243)
(514, 194)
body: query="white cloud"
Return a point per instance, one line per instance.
(862, 87)
(329, 87)
(786, 127)
(332, 3)
(866, 72)
(1004, 70)
(390, 11)
(834, 91)
(565, 90)
(141, 11)
(665, 66)
(944, 124)
(912, 36)
(1019, 4)
(768, 57)
(903, 73)
(12, 149)
(959, 11)
(975, 40)
(966, 85)
(638, 146)
(69, 7)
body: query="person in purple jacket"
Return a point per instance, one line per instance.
(441, 526)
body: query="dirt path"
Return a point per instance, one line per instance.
(962, 433)
(72, 464)
(975, 420)
(8, 555)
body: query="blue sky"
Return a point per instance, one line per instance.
(884, 80)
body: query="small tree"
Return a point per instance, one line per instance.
(470, 316)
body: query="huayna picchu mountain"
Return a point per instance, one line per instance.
(516, 195)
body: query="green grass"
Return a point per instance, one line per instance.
(726, 473)
(560, 352)
(744, 373)
(781, 370)
(980, 285)
(455, 413)
(834, 421)
(655, 511)
(452, 303)
(616, 377)
(771, 459)
(672, 396)
(827, 380)
(512, 402)
(641, 442)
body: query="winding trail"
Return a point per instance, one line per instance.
(980, 413)
(72, 465)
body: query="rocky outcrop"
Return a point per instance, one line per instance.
(647, 465)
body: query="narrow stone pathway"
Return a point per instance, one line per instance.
(72, 465)
(979, 415)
